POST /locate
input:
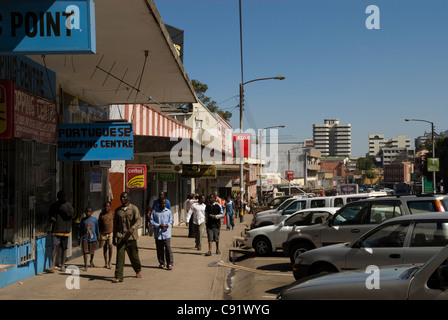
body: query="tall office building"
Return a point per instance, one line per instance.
(332, 139)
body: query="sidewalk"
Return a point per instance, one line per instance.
(194, 277)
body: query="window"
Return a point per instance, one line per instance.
(317, 203)
(422, 206)
(430, 234)
(391, 235)
(338, 202)
(381, 211)
(295, 206)
(352, 214)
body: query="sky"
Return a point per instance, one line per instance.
(335, 66)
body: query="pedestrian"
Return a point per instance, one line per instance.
(197, 211)
(148, 218)
(157, 201)
(192, 199)
(213, 213)
(126, 221)
(88, 236)
(230, 209)
(61, 214)
(161, 220)
(106, 225)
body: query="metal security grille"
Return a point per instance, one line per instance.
(27, 187)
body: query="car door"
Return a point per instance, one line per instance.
(382, 246)
(286, 226)
(345, 225)
(427, 238)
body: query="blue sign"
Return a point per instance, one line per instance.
(47, 27)
(95, 141)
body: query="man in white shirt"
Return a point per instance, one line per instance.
(197, 211)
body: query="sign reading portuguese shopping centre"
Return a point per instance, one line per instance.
(95, 141)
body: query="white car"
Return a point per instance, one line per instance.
(428, 281)
(268, 239)
(401, 240)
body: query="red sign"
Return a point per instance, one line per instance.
(6, 109)
(136, 176)
(241, 145)
(34, 118)
(289, 175)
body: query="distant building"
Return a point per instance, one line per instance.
(390, 150)
(332, 138)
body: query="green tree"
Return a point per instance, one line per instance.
(365, 164)
(200, 89)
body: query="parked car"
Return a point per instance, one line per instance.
(428, 281)
(297, 203)
(401, 240)
(356, 218)
(268, 239)
(273, 204)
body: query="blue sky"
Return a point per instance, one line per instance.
(335, 67)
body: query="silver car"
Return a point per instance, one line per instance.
(428, 281)
(401, 240)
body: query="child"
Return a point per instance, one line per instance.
(88, 236)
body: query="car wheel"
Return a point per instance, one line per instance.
(297, 249)
(262, 246)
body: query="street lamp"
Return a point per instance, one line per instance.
(433, 149)
(260, 142)
(242, 84)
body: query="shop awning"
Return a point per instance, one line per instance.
(136, 61)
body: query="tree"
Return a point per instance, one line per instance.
(365, 164)
(200, 89)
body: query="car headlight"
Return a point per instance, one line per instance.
(298, 260)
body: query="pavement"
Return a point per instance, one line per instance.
(194, 276)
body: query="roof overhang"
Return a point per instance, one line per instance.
(135, 61)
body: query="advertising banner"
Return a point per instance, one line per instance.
(136, 176)
(241, 145)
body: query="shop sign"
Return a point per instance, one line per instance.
(433, 164)
(6, 109)
(241, 145)
(203, 172)
(95, 141)
(136, 176)
(47, 27)
(166, 176)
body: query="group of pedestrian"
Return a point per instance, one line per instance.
(204, 215)
(117, 228)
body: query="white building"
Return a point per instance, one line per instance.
(332, 139)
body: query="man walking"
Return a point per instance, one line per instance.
(197, 212)
(161, 220)
(126, 221)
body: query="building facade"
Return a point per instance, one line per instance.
(332, 139)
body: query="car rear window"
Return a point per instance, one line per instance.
(422, 206)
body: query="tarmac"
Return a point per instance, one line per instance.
(195, 276)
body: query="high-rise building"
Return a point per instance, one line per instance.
(332, 139)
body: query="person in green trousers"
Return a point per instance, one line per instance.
(126, 222)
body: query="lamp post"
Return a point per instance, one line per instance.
(242, 84)
(433, 149)
(260, 142)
